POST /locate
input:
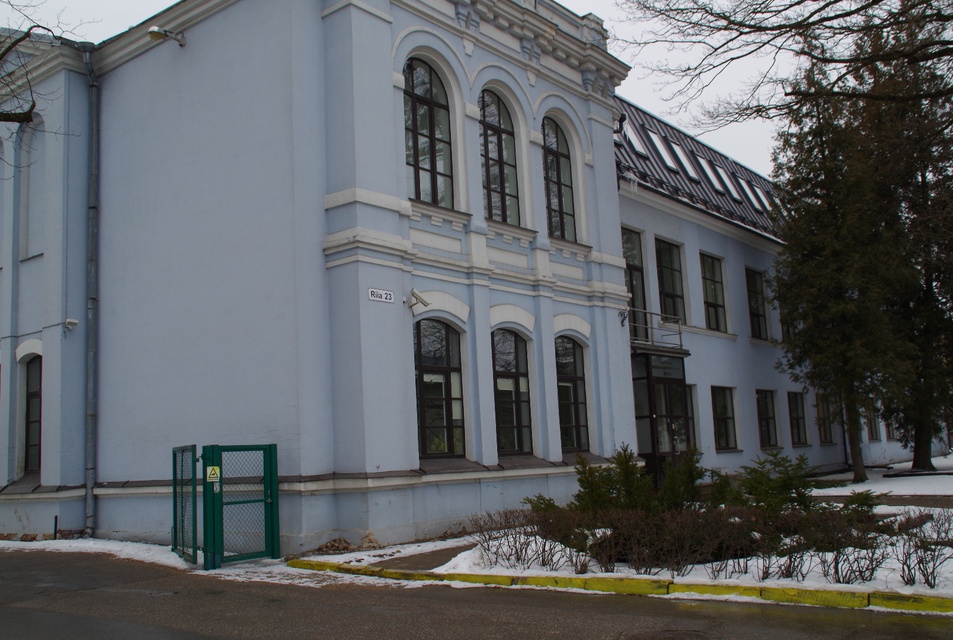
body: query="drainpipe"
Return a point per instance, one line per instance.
(92, 290)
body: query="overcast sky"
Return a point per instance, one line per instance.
(749, 143)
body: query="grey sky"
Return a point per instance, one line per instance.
(97, 20)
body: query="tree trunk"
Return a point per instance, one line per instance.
(923, 432)
(854, 439)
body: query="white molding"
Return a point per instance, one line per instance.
(31, 347)
(510, 313)
(362, 196)
(571, 322)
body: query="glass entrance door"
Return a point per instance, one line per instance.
(663, 410)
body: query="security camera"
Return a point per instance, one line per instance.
(418, 299)
(71, 323)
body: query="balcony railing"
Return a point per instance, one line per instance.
(654, 330)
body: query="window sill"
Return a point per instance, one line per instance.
(457, 219)
(729, 450)
(706, 332)
(508, 232)
(767, 342)
(449, 465)
(568, 247)
(523, 461)
(806, 445)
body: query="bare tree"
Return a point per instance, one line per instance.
(23, 39)
(695, 42)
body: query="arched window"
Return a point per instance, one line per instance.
(34, 401)
(511, 390)
(571, 382)
(427, 135)
(560, 210)
(498, 152)
(439, 389)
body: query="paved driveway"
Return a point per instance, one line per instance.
(64, 595)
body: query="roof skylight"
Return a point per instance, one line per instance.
(666, 154)
(728, 182)
(710, 173)
(749, 191)
(629, 131)
(683, 156)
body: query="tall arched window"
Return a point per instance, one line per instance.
(514, 432)
(427, 135)
(498, 152)
(571, 383)
(560, 210)
(34, 402)
(439, 389)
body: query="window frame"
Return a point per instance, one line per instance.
(757, 305)
(767, 420)
(574, 432)
(724, 426)
(557, 163)
(797, 419)
(33, 415)
(454, 433)
(674, 300)
(715, 311)
(826, 418)
(505, 141)
(417, 162)
(521, 407)
(872, 421)
(635, 284)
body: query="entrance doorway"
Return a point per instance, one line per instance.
(663, 411)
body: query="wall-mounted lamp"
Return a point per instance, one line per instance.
(158, 34)
(416, 298)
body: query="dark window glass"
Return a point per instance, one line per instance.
(872, 419)
(498, 153)
(723, 412)
(714, 293)
(635, 283)
(827, 417)
(671, 294)
(511, 387)
(767, 426)
(757, 308)
(34, 418)
(427, 135)
(798, 419)
(560, 208)
(439, 389)
(571, 383)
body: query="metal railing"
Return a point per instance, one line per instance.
(647, 328)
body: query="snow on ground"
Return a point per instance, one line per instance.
(471, 561)
(914, 485)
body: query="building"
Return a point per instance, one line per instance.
(398, 239)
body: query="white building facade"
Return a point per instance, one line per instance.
(392, 238)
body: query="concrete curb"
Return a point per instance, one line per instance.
(658, 587)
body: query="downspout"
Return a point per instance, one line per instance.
(92, 291)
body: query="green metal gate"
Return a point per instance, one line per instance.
(184, 512)
(240, 500)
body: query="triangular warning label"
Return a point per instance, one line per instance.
(212, 474)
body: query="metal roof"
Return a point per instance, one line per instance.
(664, 159)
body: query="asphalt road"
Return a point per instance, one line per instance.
(60, 595)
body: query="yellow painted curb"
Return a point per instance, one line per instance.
(844, 599)
(559, 582)
(911, 602)
(717, 589)
(629, 586)
(399, 574)
(478, 578)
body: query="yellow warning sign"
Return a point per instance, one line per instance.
(213, 474)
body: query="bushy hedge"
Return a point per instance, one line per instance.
(764, 523)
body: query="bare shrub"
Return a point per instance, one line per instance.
(934, 546)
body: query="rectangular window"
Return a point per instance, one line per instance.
(714, 291)
(723, 415)
(752, 196)
(757, 306)
(872, 419)
(629, 132)
(726, 178)
(709, 170)
(662, 149)
(635, 283)
(827, 415)
(683, 157)
(891, 429)
(671, 292)
(767, 426)
(797, 418)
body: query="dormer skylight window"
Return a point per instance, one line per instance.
(666, 154)
(709, 173)
(765, 199)
(728, 182)
(628, 130)
(749, 191)
(683, 156)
